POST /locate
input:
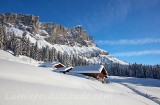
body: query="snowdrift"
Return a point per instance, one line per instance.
(29, 85)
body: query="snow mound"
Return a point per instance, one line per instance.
(21, 59)
(27, 84)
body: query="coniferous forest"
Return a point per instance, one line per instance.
(22, 46)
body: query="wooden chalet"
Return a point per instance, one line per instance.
(96, 71)
(63, 69)
(58, 65)
(54, 65)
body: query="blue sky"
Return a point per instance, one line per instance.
(128, 29)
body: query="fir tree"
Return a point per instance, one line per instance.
(2, 36)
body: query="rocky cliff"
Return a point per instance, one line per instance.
(58, 34)
(20, 19)
(62, 35)
(74, 42)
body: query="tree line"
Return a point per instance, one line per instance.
(135, 70)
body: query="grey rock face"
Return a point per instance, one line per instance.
(62, 35)
(58, 34)
(15, 19)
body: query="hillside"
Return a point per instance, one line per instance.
(71, 44)
(30, 85)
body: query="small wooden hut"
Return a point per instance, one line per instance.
(58, 65)
(96, 71)
(63, 69)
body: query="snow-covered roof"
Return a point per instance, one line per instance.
(88, 69)
(63, 69)
(58, 64)
(50, 64)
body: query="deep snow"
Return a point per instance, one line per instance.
(149, 88)
(25, 84)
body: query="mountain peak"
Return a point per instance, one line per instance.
(25, 19)
(74, 42)
(80, 26)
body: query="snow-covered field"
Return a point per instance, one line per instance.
(23, 84)
(149, 88)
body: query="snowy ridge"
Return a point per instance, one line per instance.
(106, 58)
(86, 52)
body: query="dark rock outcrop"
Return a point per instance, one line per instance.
(78, 31)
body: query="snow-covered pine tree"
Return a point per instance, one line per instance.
(73, 60)
(60, 57)
(51, 55)
(28, 48)
(45, 53)
(157, 70)
(79, 61)
(2, 36)
(55, 54)
(68, 60)
(25, 44)
(6, 42)
(32, 51)
(36, 52)
(17, 47)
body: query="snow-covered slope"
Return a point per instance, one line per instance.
(102, 58)
(25, 84)
(10, 30)
(7, 55)
(87, 51)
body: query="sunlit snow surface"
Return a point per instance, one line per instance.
(25, 84)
